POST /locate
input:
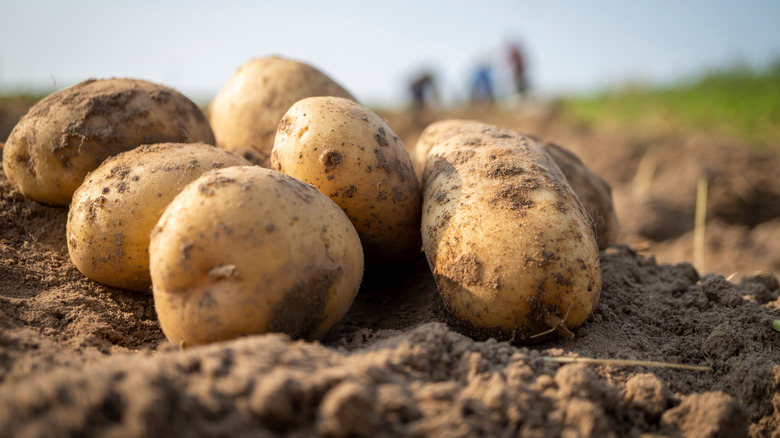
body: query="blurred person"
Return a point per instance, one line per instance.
(482, 84)
(423, 90)
(518, 66)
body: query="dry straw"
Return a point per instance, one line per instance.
(699, 221)
(625, 362)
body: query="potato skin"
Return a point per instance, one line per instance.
(430, 135)
(350, 154)
(510, 247)
(248, 250)
(246, 112)
(69, 133)
(115, 209)
(594, 193)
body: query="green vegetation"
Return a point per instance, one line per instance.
(29, 97)
(738, 101)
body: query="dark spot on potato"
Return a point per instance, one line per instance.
(119, 244)
(436, 166)
(93, 205)
(463, 157)
(350, 191)
(398, 195)
(382, 161)
(284, 124)
(206, 187)
(119, 172)
(501, 135)
(305, 192)
(23, 157)
(560, 279)
(106, 190)
(381, 137)
(542, 258)
(406, 172)
(331, 159)
(440, 197)
(206, 300)
(185, 250)
(160, 96)
(515, 196)
(276, 163)
(472, 141)
(503, 169)
(301, 311)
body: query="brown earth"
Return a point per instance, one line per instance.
(81, 359)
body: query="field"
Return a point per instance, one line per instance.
(79, 358)
(736, 101)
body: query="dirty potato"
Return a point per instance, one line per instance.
(119, 203)
(510, 246)
(247, 250)
(68, 134)
(594, 193)
(246, 112)
(350, 154)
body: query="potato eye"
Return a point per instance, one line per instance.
(331, 159)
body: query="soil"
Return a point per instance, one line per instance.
(81, 359)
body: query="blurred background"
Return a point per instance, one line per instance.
(655, 96)
(376, 48)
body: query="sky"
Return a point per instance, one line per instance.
(374, 48)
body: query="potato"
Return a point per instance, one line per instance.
(350, 154)
(246, 112)
(115, 209)
(248, 250)
(594, 193)
(69, 133)
(509, 244)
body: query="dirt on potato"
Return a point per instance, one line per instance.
(79, 358)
